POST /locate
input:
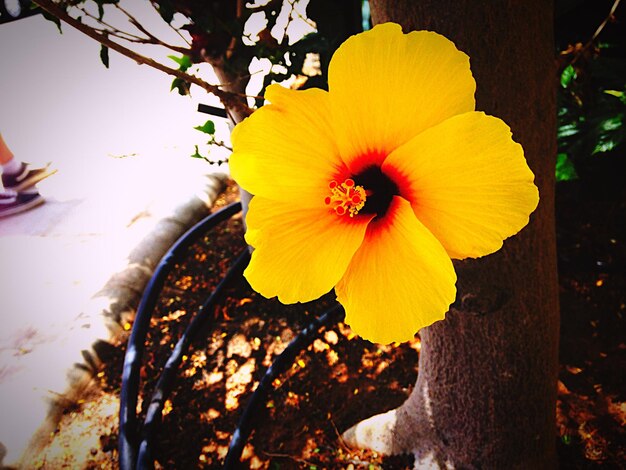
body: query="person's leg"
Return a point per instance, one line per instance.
(5, 152)
(17, 175)
(6, 157)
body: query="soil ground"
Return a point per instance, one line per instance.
(342, 379)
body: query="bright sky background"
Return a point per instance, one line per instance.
(57, 100)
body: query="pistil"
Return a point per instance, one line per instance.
(346, 198)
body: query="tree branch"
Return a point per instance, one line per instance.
(231, 101)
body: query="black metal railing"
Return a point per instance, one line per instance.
(137, 440)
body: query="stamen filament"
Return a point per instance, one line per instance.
(346, 197)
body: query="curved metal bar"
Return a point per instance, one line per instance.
(163, 387)
(280, 365)
(132, 360)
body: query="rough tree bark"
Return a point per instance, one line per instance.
(486, 391)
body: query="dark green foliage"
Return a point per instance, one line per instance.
(565, 170)
(592, 110)
(569, 73)
(291, 59)
(591, 93)
(335, 21)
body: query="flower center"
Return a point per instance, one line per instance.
(368, 192)
(380, 190)
(346, 197)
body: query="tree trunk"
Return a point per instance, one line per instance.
(235, 84)
(486, 390)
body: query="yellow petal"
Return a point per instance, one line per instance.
(285, 150)
(468, 183)
(400, 279)
(300, 254)
(386, 87)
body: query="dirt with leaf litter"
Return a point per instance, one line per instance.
(341, 378)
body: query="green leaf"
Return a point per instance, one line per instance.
(181, 85)
(567, 76)
(604, 146)
(568, 130)
(104, 55)
(184, 62)
(208, 127)
(197, 154)
(618, 94)
(565, 170)
(613, 123)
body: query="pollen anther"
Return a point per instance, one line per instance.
(346, 197)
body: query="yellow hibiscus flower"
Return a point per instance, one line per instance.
(373, 186)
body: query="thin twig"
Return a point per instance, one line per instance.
(135, 23)
(340, 437)
(589, 43)
(112, 30)
(229, 100)
(152, 38)
(305, 19)
(153, 4)
(220, 143)
(287, 456)
(116, 33)
(606, 20)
